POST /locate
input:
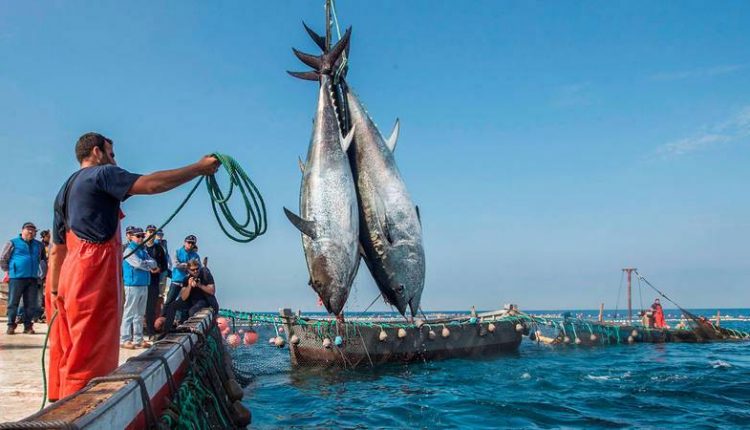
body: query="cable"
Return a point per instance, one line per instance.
(44, 350)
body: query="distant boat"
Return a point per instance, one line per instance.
(578, 331)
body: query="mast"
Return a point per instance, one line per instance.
(629, 271)
(328, 25)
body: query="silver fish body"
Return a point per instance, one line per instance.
(328, 208)
(390, 228)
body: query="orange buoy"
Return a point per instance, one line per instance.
(250, 337)
(233, 340)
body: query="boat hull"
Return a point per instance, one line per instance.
(361, 345)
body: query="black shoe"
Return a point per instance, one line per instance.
(29, 331)
(11, 330)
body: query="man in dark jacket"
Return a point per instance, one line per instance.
(157, 253)
(20, 258)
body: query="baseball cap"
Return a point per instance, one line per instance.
(150, 227)
(191, 238)
(160, 232)
(129, 229)
(136, 231)
(28, 225)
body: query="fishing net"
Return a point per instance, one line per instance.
(202, 399)
(365, 341)
(583, 332)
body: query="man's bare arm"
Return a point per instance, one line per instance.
(165, 180)
(56, 257)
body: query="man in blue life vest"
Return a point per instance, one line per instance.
(20, 259)
(179, 272)
(136, 272)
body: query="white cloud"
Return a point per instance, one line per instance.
(706, 72)
(734, 128)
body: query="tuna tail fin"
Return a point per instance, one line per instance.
(391, 142)
(306, 227)
(318, 39)
(308, 76)
(322, 64)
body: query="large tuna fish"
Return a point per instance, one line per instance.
(328, 203)
(390, 228)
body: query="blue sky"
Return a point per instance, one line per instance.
(548, 144)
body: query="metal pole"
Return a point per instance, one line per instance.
(630, 271)
(328, 25)
(601, 312)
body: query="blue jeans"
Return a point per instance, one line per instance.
(132, 317)
(172, 295)
(26, 288)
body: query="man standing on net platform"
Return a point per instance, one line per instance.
(84, 281)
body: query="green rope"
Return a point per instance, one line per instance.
(195, 398)
(255, 208)
(44, 350)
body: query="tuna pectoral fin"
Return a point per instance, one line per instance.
(301, 165)
(391, 142)
(346, 141)
(419, 216)
(306, 227)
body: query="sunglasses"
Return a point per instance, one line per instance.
(141, 236)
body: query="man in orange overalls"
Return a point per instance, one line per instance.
(84, 281)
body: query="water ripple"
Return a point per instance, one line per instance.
(652, 386)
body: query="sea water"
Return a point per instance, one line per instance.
(642, 385)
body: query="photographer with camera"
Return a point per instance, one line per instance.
(198, 292)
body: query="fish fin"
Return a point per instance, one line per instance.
(391, 142)
(318, 39)
(326, 63)
(314, 61)
(419, 216)
(301, 165)
(306, 227)
(362, 250)
(345, 142)
(340, 46)
(387, 231)
(308, 76)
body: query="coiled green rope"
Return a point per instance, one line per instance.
(255, 208)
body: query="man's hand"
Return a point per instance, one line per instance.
(155, 270)
(208, 165)
(193, 282)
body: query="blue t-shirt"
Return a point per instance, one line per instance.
(93, 203)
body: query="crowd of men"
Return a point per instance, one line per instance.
(146, 268)
(152, 304)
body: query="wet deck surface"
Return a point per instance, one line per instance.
(21, 385)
